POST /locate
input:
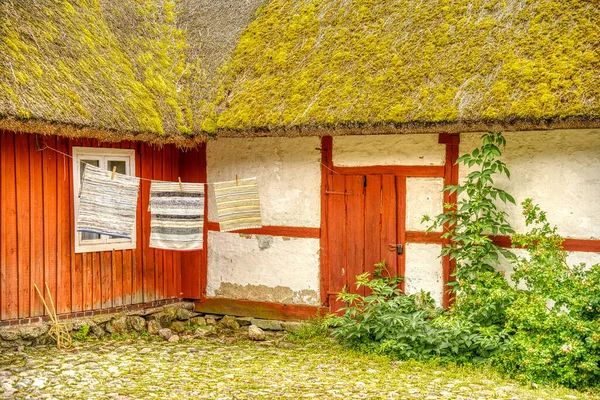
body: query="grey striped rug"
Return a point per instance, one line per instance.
(177, 216)
(107, 206)
(238, 205)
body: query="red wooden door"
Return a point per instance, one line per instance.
(363, 229)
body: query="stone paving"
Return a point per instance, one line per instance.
(229, 368)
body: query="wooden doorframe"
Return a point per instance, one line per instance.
(448, 171)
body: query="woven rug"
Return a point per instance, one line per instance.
(238, 205)
(107, 206)
(177, 215)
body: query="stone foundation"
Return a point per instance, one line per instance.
(167, 321)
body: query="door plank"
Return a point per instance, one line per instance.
(373, 208)
(389, 224)
(355, 230)
(336, 230)
(401, 228)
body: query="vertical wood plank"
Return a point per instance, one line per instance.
(64, 228)
(167, 289)
(373, 207)
(97, 280)
(355, 230)
(389, 223)
(137, 256)
(50, 218)
(77, 286)
(326, 167)
(8, 223)
(177, 290)
(147, 253)
(36, 188)
(127, 283)
(23, 222)
(401, 228)
(117, 278)
(157, 172)
(106, 278)
(203, 255)
(90, 292)
(336, 241)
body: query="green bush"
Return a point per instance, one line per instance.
(555, 320)
(386, 321)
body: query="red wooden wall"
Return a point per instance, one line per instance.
(37, 232)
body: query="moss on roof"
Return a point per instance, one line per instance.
(369, 63)
(101, 65)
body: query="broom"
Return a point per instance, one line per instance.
(58, 331)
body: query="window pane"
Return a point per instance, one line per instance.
(82, 164)
(121, 166)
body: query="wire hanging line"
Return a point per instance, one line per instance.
(46, 147)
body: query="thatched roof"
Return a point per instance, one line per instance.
(306, 67)
(97, 68)
(183, 70)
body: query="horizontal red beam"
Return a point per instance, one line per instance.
(398, 170)
(287, 231)
(424, 237)
(585, 245)
(257, 309)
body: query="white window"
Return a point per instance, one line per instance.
(106, 159)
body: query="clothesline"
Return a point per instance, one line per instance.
(46, 147)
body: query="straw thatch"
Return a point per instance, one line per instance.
(97, 68)
(374, 66)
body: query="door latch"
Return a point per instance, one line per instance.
(396, 247)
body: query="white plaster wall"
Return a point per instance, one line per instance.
(424, 196)
(355, 151)
(263, 268)
(424, 270)
(560, 170)
(287, 170)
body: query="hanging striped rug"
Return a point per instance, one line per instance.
(177, 215)
(238, 204)
(107, 206)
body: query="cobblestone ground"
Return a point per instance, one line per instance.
(226, 369)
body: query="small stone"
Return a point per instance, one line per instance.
(153, 327)
(256, 334)
(165, 333)
(267, 324)
(98, 330)
(213, 316)
(145, 350)
(39, 383)
(70, 373)
(178, 326)
(243, 321)
(198, 321)
(182, 314)
(174, 339)
(12, 333)
(206, 330)
(102, 318)
(164, 318)
(229, 322)
(211, 321)
(292, 326)
(117, 325)
(138, 324)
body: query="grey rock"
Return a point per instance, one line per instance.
(244, 321)
(290, 326)
(165, 333)
(213, 316)
(119, 324)
(136, 313)
(255, 333)
(145, 350)
(33, 331)
(229, 322)
(182, 314)
(188, 305)
(174, 339)
(267, 324)
(77, 324)
(197, 321)
(11, 333)
(102, 318)
(97, 330)
(206, 330)
(136, 323)
(153, 327)
(210, 321)
(164, 318)
(44, 340)
(153, 310)
(178, 326)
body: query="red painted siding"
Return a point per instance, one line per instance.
(37, 233)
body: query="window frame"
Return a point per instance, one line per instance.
(103, 155)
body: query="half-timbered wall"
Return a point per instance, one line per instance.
(37, 232)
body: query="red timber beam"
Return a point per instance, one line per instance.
(258, 309)
(287, 231)
(326, 177)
